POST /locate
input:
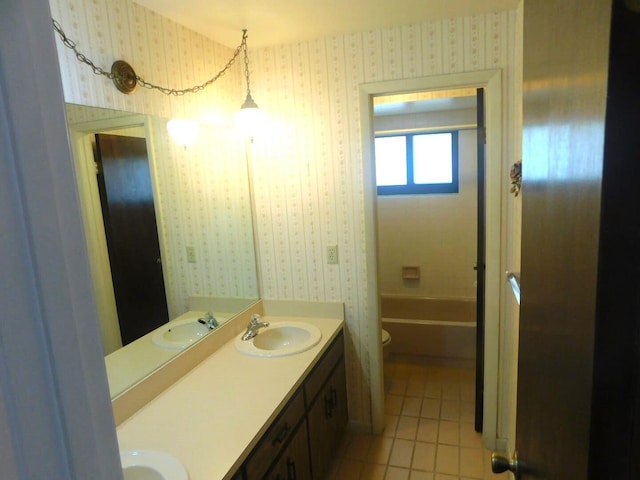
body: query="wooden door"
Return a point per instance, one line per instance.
(131, 231)
(563, 139)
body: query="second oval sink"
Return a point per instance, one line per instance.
(179, 334)
(280, 339)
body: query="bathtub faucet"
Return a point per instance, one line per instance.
(254, 325)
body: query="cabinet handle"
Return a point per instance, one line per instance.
(282, 434)
(334, 396)
(328, 406)
(291, 469)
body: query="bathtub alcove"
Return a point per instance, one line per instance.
(431, 330)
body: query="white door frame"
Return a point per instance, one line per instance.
(491, 81)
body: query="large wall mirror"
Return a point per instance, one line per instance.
(178, 218)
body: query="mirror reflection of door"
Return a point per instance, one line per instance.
(126, 198)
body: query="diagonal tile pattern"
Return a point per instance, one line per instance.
(429, 433)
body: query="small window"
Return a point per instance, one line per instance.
(417, 163)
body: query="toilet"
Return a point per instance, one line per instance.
(386, 341)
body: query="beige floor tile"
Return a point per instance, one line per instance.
(447, 459)
(393, 404)
(396, 473)
(468, 392)
(371, 471)
(358, 447)
(427, 430)
(442, 476)
(418, 475)
(401, 453)
(398, 386)
(390, 425)
(424, 457)
(429, 434)
(451, 391)
(449, 433)
(471, 463)
(469, 437)
(450, 410)
(411, 406)
(407, 428)
(380, 450)
(430, 408)
(467, 412)
(415, 387)
(432, 389)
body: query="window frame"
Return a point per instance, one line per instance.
(411, 188)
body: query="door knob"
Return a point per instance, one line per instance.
(500, 464)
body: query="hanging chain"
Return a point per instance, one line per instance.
(243, 45)
(167, 91)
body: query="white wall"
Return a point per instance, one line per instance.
(436, 232)
(308, 167)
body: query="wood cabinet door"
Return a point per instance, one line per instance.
(327, 420)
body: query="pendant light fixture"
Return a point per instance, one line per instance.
(249, 119)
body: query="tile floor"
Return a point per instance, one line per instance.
(429, 432)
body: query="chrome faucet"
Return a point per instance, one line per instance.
(209, 320)
(252, 328)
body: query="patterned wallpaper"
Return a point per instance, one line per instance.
(308, 165)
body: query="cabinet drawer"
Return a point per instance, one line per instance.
(323, 368)
(276, 437)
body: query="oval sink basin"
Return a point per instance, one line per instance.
(280, 339)
(179, 334)
(151, 465)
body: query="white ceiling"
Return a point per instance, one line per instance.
(276, 22)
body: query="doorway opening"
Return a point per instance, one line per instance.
(430, 225)
(491, 83)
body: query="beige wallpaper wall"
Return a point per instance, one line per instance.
(308, 166)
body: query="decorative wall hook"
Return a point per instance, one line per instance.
(516, 177)
(124, 77)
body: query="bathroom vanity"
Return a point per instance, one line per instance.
(242, 417)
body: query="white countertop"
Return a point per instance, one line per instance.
(212, 417)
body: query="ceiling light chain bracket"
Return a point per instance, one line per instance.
(125, 78)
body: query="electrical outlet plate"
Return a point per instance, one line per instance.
(332, 254)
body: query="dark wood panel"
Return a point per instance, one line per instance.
(131, 230)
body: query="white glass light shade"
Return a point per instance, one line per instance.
(250, 119)
(183, 132)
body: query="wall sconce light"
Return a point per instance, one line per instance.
(184, 132)
(249, 119)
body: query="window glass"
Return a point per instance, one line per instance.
(417, 163)
(391, 160)
(432, 156)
